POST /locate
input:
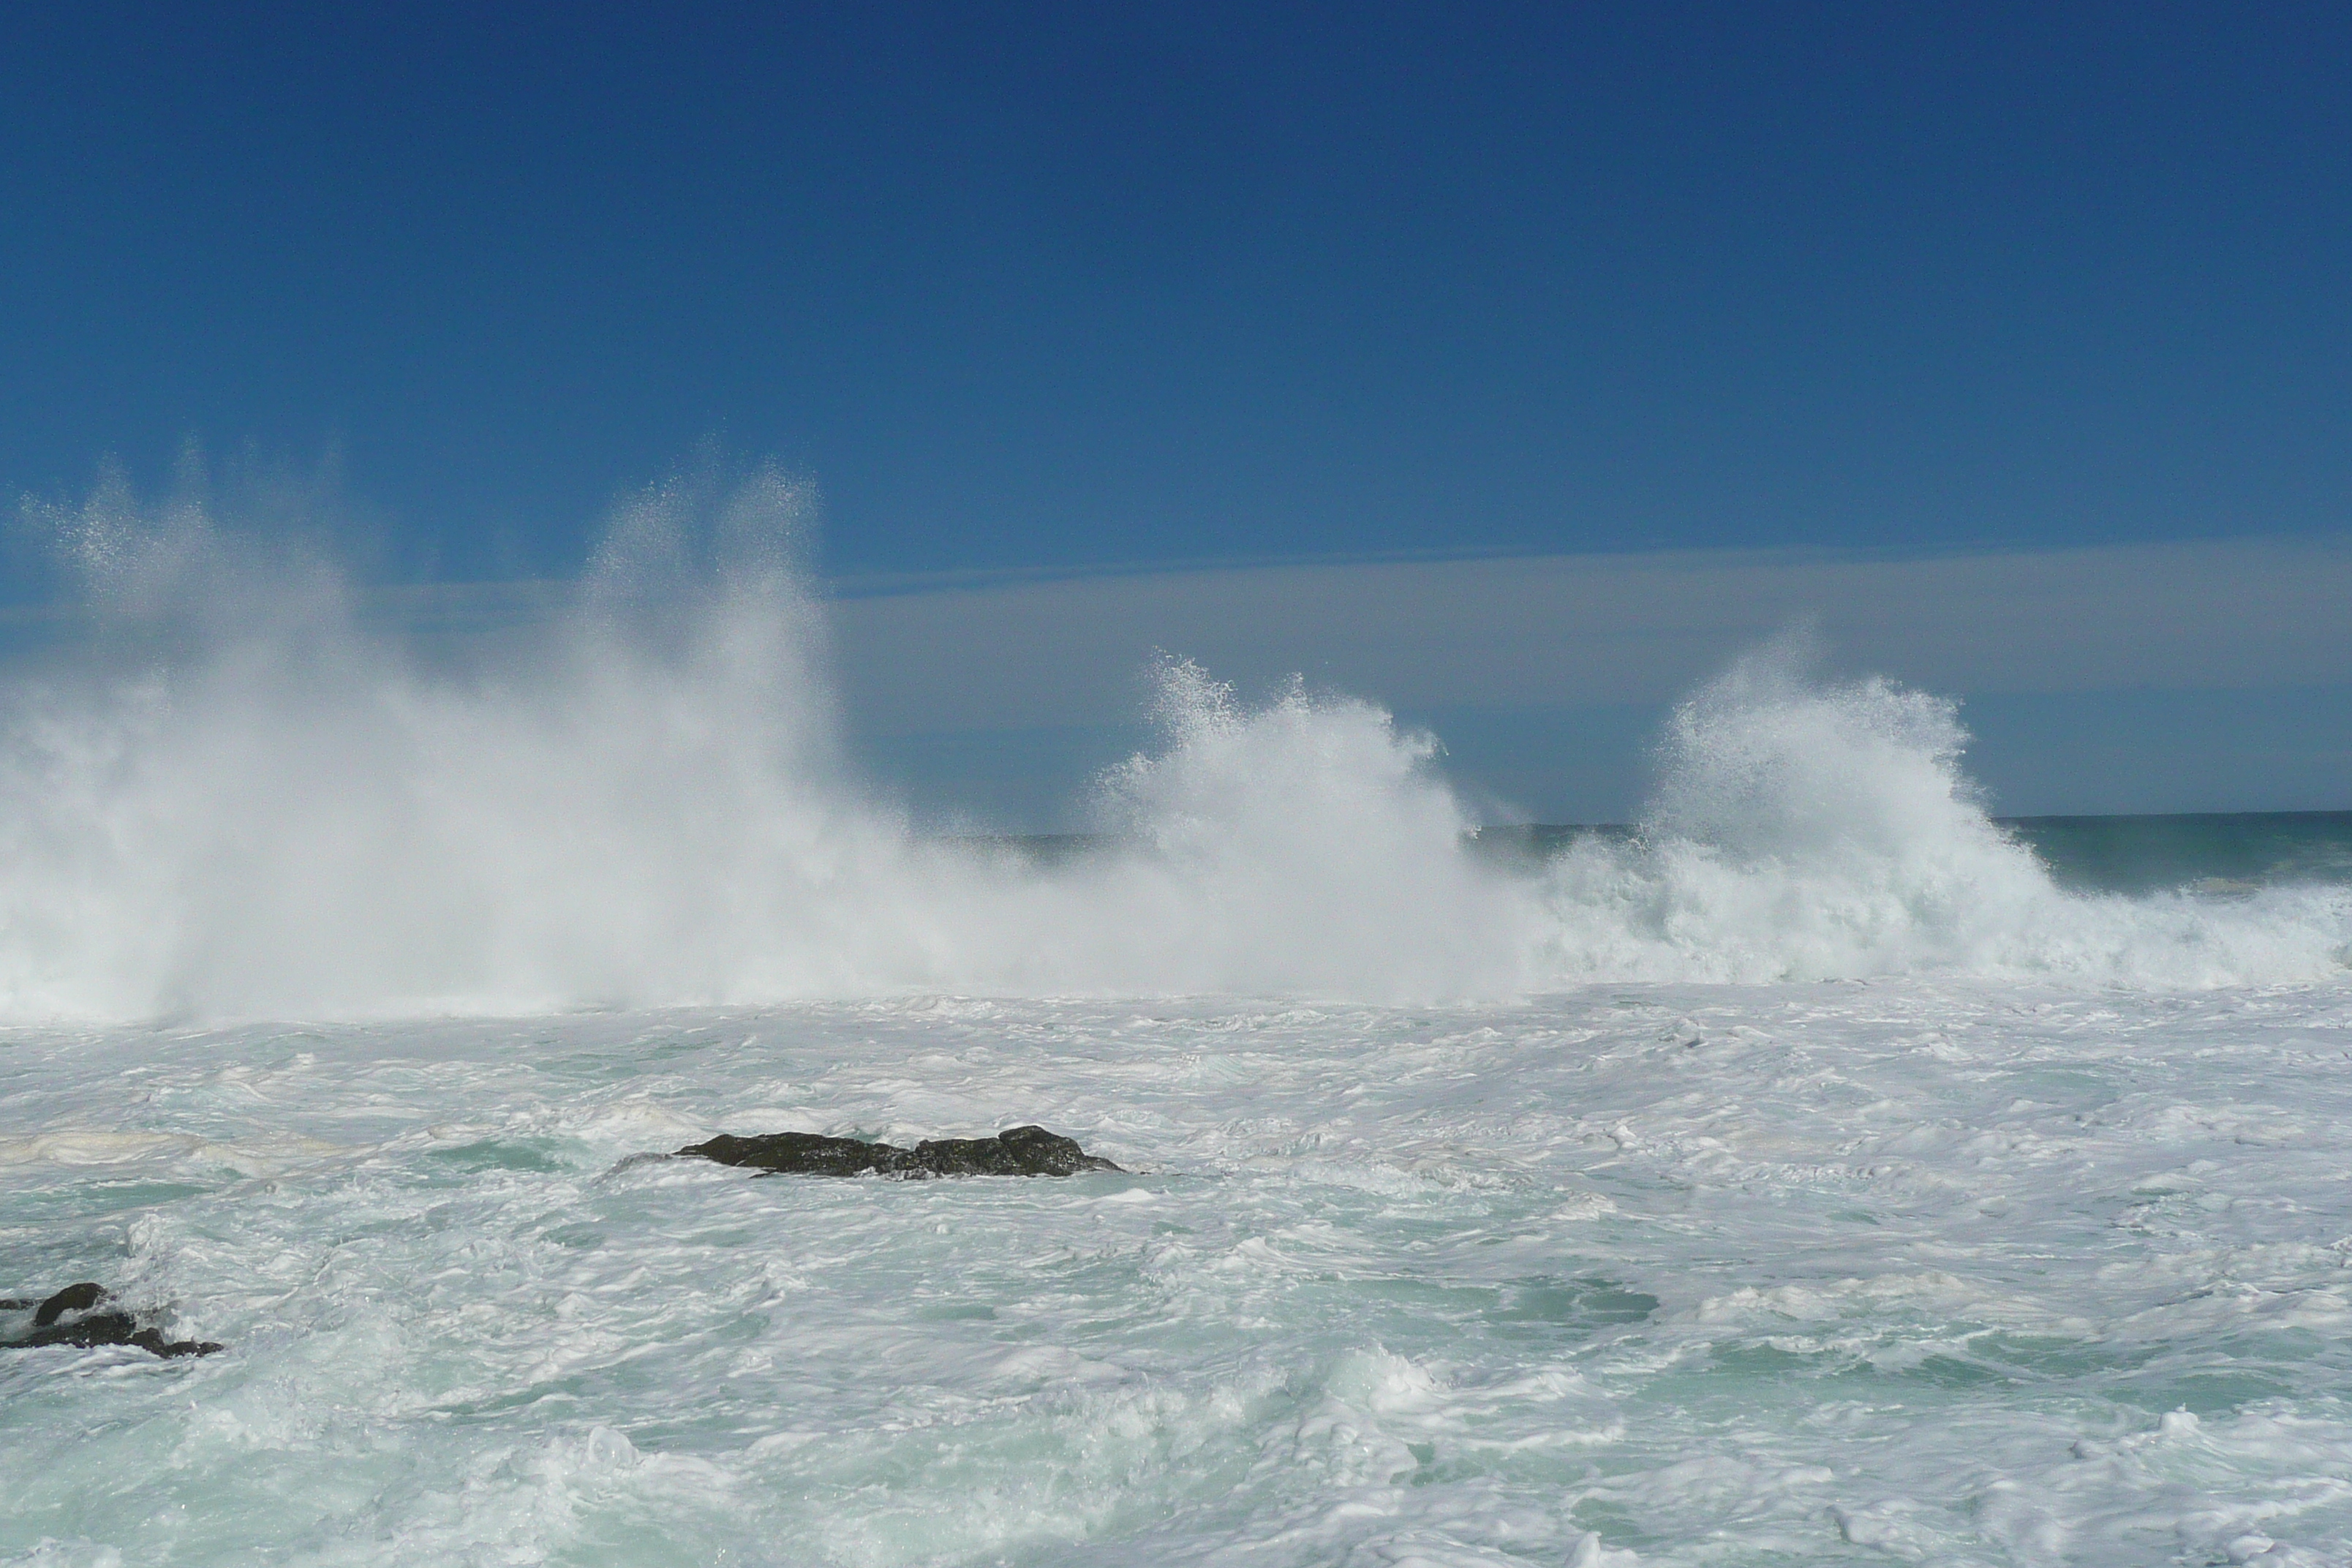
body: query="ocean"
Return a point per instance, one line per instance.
(1819, 1169)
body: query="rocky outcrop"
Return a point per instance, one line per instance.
(1016, 1151)
(85, 1315)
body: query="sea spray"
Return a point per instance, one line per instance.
(248, 800)
(1804, 828)
(242, 795)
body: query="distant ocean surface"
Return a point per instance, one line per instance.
(1817, 1171)
(2207, 851)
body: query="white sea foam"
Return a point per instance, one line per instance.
(1937, 1269)
(246, 799)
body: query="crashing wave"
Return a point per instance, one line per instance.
(248, 799)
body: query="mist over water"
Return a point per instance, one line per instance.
(243, 796)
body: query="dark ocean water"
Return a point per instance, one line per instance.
(2215, 851)
(2231, 851)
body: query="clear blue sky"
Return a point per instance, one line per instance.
(1045, 285)
(1059, 287)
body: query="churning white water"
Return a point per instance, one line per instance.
(1915, 1271)
(1807, 1178)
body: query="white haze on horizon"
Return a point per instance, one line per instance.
(1577, 630)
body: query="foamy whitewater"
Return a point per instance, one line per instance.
(1807, 1177)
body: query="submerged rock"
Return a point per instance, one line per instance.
(83, 1315)
(1016, 1151)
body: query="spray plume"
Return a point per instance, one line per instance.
(243, 796)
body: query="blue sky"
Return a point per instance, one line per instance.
(1044, 289)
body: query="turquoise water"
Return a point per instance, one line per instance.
(1910, 1271)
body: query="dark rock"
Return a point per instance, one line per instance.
(1016, 1151)
(803, 1154)
(80, 1315)
(78, 1298)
